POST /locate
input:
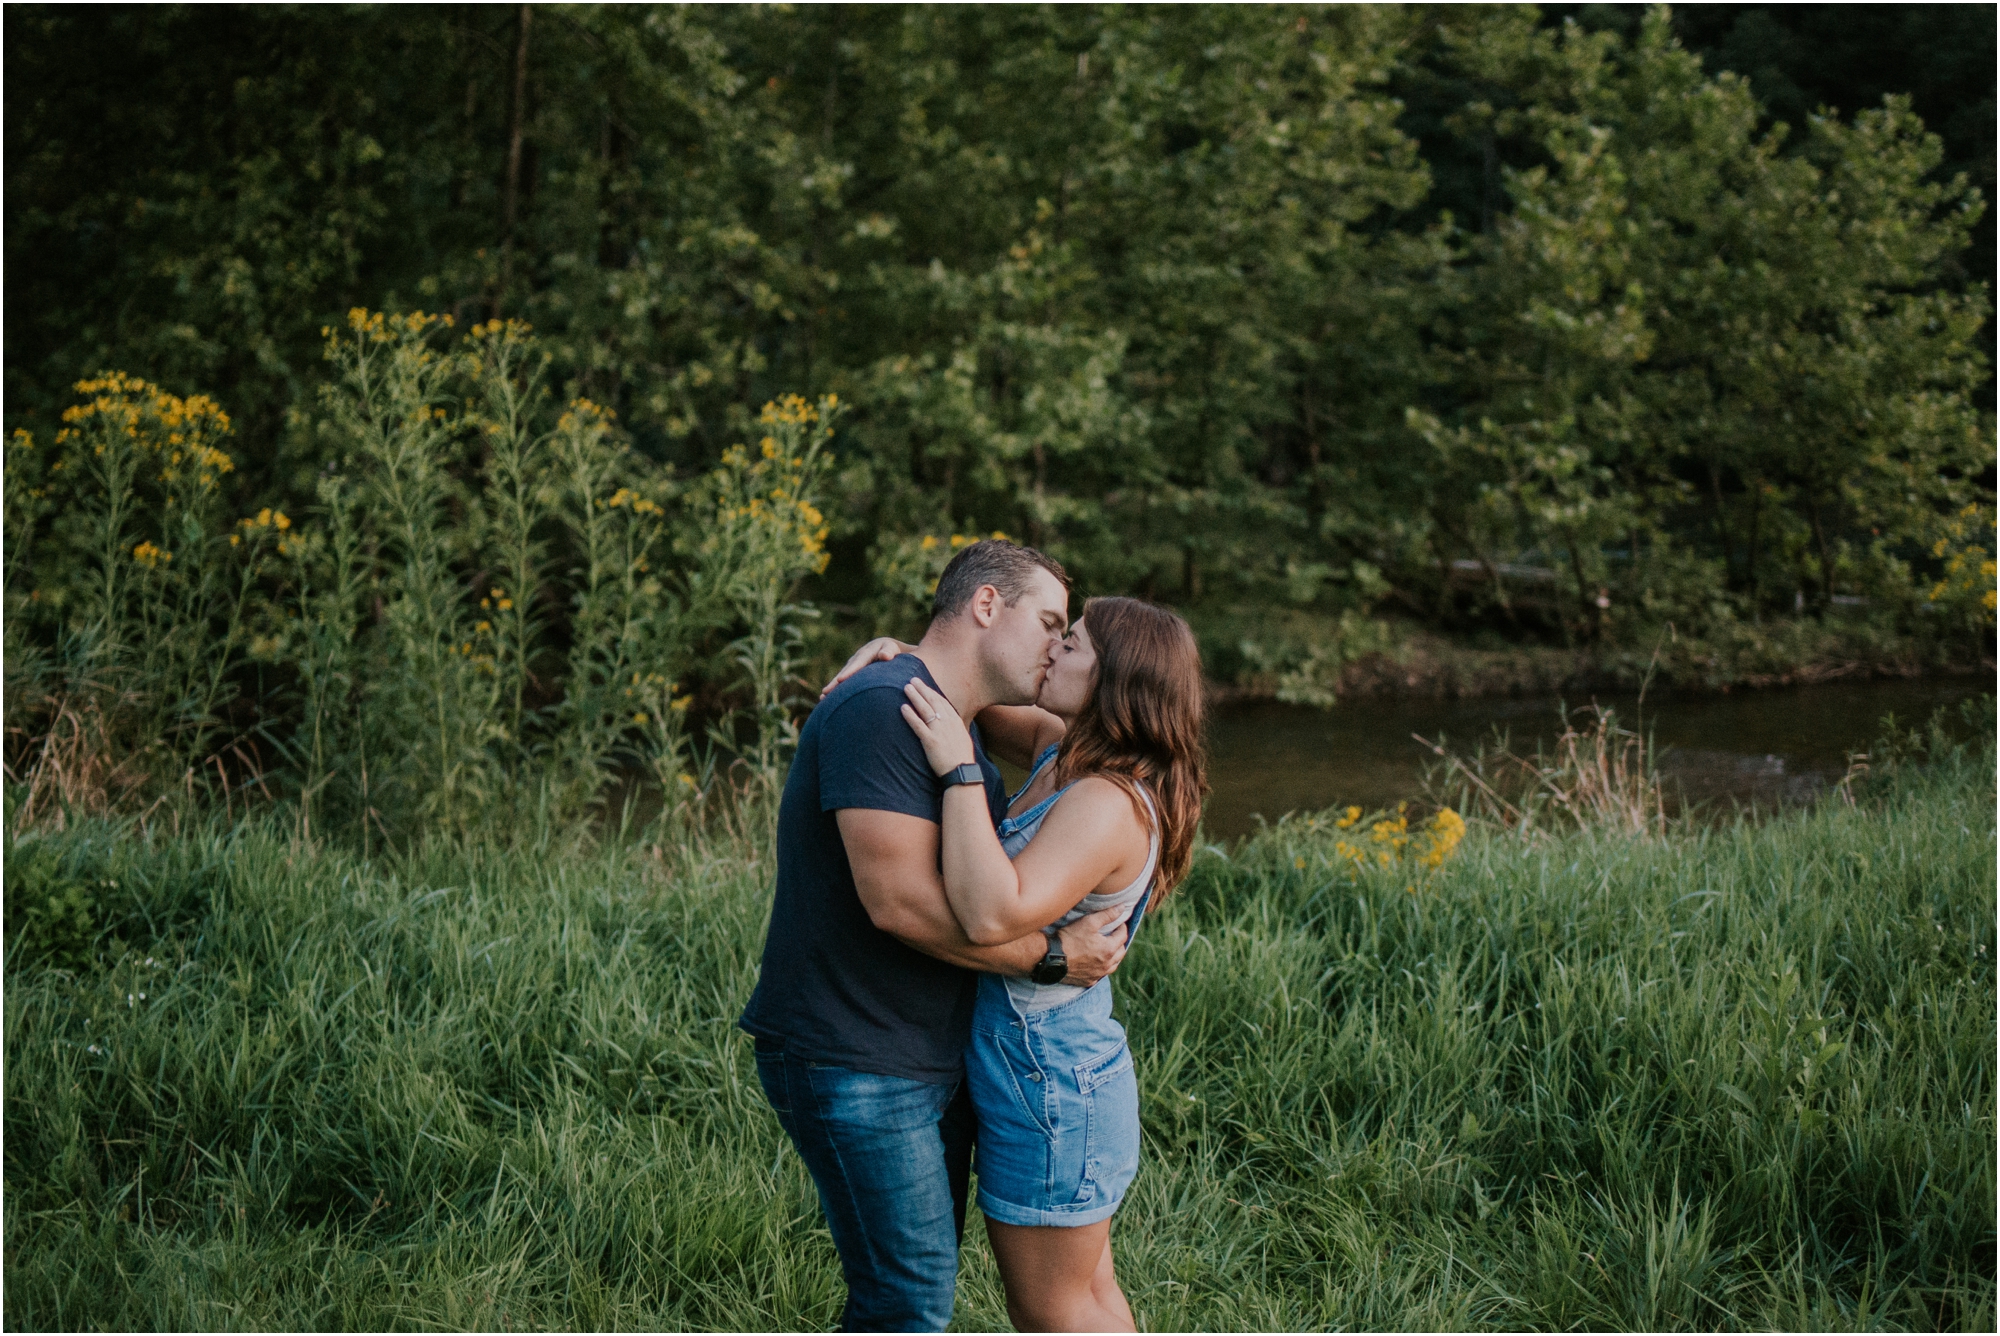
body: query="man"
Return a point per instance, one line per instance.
(864, 1006)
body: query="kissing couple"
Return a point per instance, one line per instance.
(937, 972)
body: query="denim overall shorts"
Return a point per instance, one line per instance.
(1057, 1102)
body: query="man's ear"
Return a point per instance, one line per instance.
(985, 606)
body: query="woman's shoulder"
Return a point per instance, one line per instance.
(1100, 797)
(1096, 813)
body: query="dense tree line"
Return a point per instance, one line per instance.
(1474, 313)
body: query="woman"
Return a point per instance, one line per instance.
(1107, 818)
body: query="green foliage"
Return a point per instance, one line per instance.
(126, 596)
(495, 604)
(1676, 307)
(1739, 1076)
(80, 902)
(1202, 300)
(760, 534)
(51, 918)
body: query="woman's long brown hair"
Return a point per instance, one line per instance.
(1143, 723)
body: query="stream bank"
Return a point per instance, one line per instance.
(1423, 665)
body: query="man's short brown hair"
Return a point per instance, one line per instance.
(1008, 567)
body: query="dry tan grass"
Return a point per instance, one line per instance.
(1599, 776)
(65, 758)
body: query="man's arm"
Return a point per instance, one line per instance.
(1017, 733)
(895, 862)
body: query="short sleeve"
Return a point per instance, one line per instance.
(869, 757)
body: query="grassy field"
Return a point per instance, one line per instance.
(1739, 1077)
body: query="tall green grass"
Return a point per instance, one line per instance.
(1739, 1076)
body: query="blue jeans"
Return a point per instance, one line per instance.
(891, 1158)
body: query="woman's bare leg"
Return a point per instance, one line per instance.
(1104, 1284)
(1059, 1279)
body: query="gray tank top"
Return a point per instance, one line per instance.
(1015, 832)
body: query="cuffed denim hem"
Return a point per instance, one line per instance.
(1007, 1213)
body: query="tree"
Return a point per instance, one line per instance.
(1677, 315)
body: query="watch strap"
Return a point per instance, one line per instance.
(1053, 965)
(969, 773)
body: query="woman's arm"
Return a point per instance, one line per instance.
(895, 860)
(1017, 733)
(1088, 839)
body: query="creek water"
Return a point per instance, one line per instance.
(1767, 748)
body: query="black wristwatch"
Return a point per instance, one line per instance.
(1053, 967)
(969, 773)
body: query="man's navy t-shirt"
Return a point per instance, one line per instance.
(834, 987)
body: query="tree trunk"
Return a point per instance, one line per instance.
(1825, 556)
(1589, 616)
(1041, 493)
(1315, 491)
(510, 197)
(1464, 540)
(1722, 525)
(1750, 561)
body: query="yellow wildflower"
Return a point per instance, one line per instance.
(1441, 838)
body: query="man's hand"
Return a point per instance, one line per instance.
(879, 650)
(1092, 952)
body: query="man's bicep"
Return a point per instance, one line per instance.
(894, 858)
(895, 861)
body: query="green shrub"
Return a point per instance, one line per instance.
(495, 605)
(83, 900)
(52, 918)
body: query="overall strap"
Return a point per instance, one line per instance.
(1152, 873)
(1041, 764)
(1138, 916)
(1034, 814)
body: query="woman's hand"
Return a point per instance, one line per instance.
(947, 743)
(880, 649)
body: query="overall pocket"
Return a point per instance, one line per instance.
(1110, 1119)
(1103, 1067)
(1003, 1071)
